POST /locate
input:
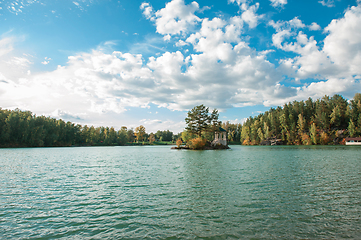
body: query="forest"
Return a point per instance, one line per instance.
(23, 129)
(325, 121)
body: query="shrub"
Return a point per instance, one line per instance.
(306, 140)
(179, 143)
(246, 141)
(324, 138)
(197, 143)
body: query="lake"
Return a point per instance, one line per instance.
(248, 192)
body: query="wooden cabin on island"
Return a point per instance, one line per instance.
(220, 137)
(353, 141)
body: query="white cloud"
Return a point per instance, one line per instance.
(59, 114)
(285, 30)
(336, 63)
(181, 43)
(18, 6)
(12, 65)
(343, 44)
(222, 71)
(167, 37)
(249, 14)
(327, 3)
(175, 18)
(100, 83)
(310, 62)
(278, 3)
(147, 10)
(339, 57)
(46, 61)
(314, 27)
(239, 2)
(20, 61)
(6, 45)
(294, 23)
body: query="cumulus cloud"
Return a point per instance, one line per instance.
(294, 23)
(343, 44)
(220, 71)
(249, 14)
(285, 30)
(148, 11)
(175, 18)
(337, 62)
(314, 27)
(59, 114)
(278, 3)
(99, 83)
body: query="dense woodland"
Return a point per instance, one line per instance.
(23, 129)
(324, 121)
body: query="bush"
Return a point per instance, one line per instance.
(179, 143)
(197, 143)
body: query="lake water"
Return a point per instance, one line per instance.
(158, 193)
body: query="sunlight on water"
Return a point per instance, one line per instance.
(155, 192)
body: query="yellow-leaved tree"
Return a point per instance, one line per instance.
(139, 132)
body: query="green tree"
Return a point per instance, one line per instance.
(199, 120)
(266, 131)
(245, 139)
(313, 133)
(123, 136)
(186, 136)
(301, 124)
(111, 137)
(351, 129)
(131, 136)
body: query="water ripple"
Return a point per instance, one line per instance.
(156, 193)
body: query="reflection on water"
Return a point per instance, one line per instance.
(155, 192)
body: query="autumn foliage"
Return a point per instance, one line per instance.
(197, 143)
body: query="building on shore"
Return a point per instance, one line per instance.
(353, 141)
(220, 137)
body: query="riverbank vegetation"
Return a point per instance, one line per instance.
(325, 121)
(23, 129)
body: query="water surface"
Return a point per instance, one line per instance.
(155, 192)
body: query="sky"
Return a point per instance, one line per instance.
(131, 63)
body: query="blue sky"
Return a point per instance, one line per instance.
(131, 63)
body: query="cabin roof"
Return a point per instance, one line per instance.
(221, 129)
(353, 139)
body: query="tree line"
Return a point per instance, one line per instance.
(325, 121)
(328, 120)
(24, 129)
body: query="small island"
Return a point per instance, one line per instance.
(203, 131)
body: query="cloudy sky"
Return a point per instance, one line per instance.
(127, 63)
